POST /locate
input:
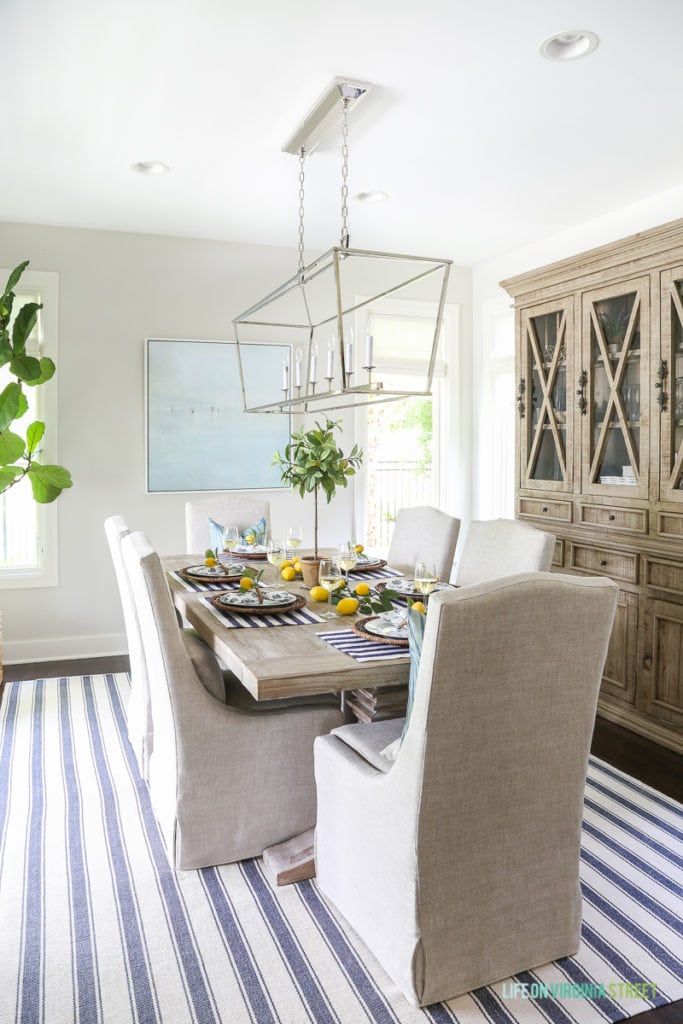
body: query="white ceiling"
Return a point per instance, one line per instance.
(482, 145)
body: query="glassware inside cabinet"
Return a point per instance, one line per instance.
(547, 360)
(616, 400)
(676, 446)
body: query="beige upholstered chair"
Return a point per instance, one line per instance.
(226, 509)
(138, 712)
(424, 534)
(225, 782)
(500, 547)
(458, 863)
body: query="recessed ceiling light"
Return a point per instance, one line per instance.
(568, 45)
(371, 197)
(150, 167)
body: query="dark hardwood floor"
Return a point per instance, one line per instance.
(654, 765)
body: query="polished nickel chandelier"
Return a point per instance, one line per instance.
(316, 316)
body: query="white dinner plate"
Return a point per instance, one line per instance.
(392, 625)
(249, 599)
(220, 571)
(407, 586)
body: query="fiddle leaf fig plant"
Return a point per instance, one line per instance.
(313, 461)
(19, 454)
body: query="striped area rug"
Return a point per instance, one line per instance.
(95, 926)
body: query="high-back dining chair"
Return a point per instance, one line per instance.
(226, 509)
(501, 547)
(458, 862)
(225, 782)
(138, 711)
(424, 534)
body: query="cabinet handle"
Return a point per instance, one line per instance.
(583, 404)
(647, 662)
(544, 508)
(520, 397)
(611, 518)
(662, 374)
(603, 562)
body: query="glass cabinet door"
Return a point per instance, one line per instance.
(613, 386)
(669, 387)
(542, 396)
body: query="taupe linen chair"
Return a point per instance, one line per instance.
(458, 864)
(226, 509)
(225, 782)
(501, 547)
(424, 534)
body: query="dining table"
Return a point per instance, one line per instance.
(280, 661)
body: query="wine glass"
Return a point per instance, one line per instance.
(330, 577)
(295, 537)
(276, 554)
(347, 557)
(426, 579)
(231, 536)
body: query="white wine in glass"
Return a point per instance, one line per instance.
(347, 558)
(330, 577)
(426, 580)
(275, 553)
(295, 537)
(230, 538)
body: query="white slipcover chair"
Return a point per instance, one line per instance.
(227, 509)
(225, 782)
(424, 534)
(458, 863)
(501, 547)
(138, 711)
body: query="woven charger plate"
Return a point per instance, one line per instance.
(219, 577)
(369, 566)
(359, 627)
(257, 609)
(260, 556)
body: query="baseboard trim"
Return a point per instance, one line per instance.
(70, 648)
(637, 723)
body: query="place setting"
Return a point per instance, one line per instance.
(255, 603)
(212, 574)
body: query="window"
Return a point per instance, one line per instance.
(404, 441)
(28, 531)
(496, 425)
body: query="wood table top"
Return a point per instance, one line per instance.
(282, 661)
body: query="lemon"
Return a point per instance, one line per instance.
(249, 538)
(288, 573)
(359, 549)
(297, 567)
(318, 594)
(286, 564)
(347, 606)
(210, 562)
(362, 589)
(246, 583)
(417, 606)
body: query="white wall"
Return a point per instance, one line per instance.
(116, 289)
(489, 299)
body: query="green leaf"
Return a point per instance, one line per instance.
(13, 279)
(47, 371)
(48, 482)
(11, 447)
(8, 474)
(24, 323)
(34, 436)
(26, 368)
(6, 351)
(10, 404)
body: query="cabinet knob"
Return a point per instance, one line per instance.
(611, 518)
(603, 562)
(647, 662)
(544, 508)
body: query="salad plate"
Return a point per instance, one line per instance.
(389, 628)
(220, 572)
(406, 587)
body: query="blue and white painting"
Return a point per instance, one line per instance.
(198, 436)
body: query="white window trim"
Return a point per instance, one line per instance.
(46, 283)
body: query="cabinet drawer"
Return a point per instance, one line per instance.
(540, 508)
(670, 524)
(620, 565)
(662, 575)
(614, 517)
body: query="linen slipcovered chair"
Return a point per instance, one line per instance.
(138, 711)
(424, 534)
(226, 509)
(501, 547)
(225, 782)
(458, 862)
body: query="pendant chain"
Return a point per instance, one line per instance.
(345, 175)
(302, 157)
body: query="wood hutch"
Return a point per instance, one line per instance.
(599, 451)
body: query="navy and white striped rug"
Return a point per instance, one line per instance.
(95, 926)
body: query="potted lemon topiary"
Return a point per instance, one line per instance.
(313, 462)
(19, 453)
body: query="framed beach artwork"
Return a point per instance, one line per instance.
(198, 436)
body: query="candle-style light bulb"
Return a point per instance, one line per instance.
(285, 374)
(368, 350)
(330, 360)
(314, 363)
(298, 356)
